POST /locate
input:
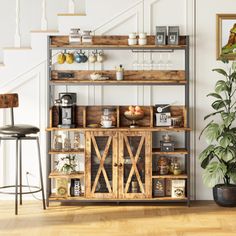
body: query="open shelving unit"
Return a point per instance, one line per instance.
(114, 184)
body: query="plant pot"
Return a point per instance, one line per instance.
(225, 195)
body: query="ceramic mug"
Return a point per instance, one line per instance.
(100, 57)
(92, 58)
(142, 41)
(69, 58)
(61, 58)
(78, 57)
(132, 36)
(142, 35)
(132, 41)
(84, 57)
(106, 123)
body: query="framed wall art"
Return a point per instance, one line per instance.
(226, 36)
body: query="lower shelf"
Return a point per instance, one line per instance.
(84, 199)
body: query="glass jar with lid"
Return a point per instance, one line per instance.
(87, 38)
(75, 36)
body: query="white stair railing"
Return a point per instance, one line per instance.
(44, 23)
(17, 40)
(71, 6)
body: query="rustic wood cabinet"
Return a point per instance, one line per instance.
(118, 165)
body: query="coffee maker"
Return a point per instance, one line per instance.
(66, 110)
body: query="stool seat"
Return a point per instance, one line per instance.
(18, 130)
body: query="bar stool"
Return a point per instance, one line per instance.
(19, 133)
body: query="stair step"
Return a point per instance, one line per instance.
(44, 31)
(71, 14)
(17, 48)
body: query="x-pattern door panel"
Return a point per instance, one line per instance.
(101, 164)
(135, 165)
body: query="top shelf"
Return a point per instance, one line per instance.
(117, 42)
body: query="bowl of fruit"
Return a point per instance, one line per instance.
(134, 114)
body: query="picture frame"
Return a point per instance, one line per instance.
(161, 33)
(225, 36)
(173, 35)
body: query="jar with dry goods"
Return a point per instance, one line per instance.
(163, 165)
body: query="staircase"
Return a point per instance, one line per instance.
(20, 60)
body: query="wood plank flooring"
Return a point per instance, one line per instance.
(202, 218)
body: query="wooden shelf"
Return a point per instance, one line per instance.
(153, 129)
(53, 152)
(131, 77)
(178, 151)
(114, 82)
(119, 42)
(118, 47)
(182, 176)
(54, 197)
(58, 175)
(170, 199)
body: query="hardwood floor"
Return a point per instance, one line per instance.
(202, 218)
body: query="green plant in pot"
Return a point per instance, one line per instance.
(219, 159)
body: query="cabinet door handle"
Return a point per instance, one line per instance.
(120, 165)
(115, 165)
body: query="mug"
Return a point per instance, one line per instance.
(84, 57)
(132, 36)
(106, 123)
(132, 41)
(61, 58)
(142, 41)
(142, 35)
(69, 58)
(100, 57)
(78, 57)
(92, 58)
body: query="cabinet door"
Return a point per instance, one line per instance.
(135, 165)
(101, 165)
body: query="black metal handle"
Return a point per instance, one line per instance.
(115, 165)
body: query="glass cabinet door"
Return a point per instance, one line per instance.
(135, 165)
(101, 164)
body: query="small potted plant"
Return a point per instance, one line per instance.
(66, 164)
(219, 158)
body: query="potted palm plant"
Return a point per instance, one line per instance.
(219, 158)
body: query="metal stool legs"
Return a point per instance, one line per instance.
(20, 163)
(41, 174)
(16, 193)
(18, 173)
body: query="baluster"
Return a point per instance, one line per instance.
(44, 23)
(72, 6)
(17, 31)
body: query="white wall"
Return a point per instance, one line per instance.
(205, 54)
(206, 61)
(30, 15)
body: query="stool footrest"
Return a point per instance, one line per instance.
(37, 189)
